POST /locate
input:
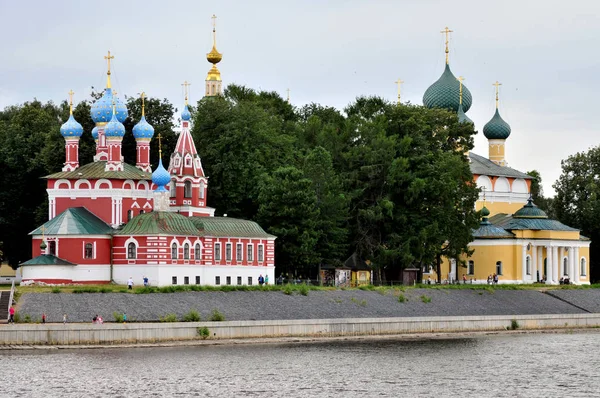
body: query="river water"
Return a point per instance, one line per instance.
(523, 365)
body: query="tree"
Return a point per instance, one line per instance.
(577, 200)
(288, 208)
(537, 194)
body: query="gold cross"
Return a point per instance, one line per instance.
(185, 87)
(143, 95)
(460, 80)
(159, 146)
(71, 101)
(399, 83)
(214, 24)
(108, 58)
(497, 86)
(446, 31)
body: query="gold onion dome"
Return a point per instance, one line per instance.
(214, 57)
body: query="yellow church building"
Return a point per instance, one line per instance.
(515, 240)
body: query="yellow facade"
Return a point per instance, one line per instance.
(496, 152)
(498, 207)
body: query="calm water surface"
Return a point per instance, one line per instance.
(530, 365)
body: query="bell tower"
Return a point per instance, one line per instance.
(213, 79)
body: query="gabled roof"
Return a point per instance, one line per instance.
(511, 223)
(159, 223)
(95, 171)
(185, 147)
(483, 166)
(74, 221)
(227, 226)
(47, 259)
(356, 263)
(488, 230)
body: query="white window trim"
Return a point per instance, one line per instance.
(220, 256)
(250, 252)
(228, 251)
(261, 250)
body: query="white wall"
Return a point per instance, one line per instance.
(76, 273)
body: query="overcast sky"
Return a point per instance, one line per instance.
(545, 54)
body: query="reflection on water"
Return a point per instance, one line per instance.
(544, 365)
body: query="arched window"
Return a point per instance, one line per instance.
(186, 251)
(52, 247)
(583, 267)
(202, 188)
(131, 251)
(129, 215)
(471, 267)
(528, 265)
(565, 266)
(197, 253)
(174, 251)
(173, 189)
(141, 211)
(498, 267)
(89, 250)
(187, 189)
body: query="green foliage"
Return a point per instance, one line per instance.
(514, 325)
(401, 298)
(118, 316)
(303, 289)
(55, 290)
(169, 318)
(191, 316)
(425, 299)
(288, 289)
(17, 317)
(87, 290)
(203, 332)
(217, 316)
(537, 194)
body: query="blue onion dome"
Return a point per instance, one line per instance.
(496, 128)
(161, 177)
(444, 93)
(530, 211)
(71, 128)
(102, 109)
(143, 129)
(114, 128)
(185, 114)
(462, 116)
(95, 132)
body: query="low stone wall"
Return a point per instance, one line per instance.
(88, 334)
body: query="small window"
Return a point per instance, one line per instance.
(197, 280)
(186, 280)
(129, 214)
(498, 267)
(528, 265)
(217, 252)
(565, 267)
(239, 280)
(471, 268)
(228, 279)
(187, 189)
(89, 250)
(141, 211)
(174, 280)
(173, 189)
(217, 280)
(249, 253)
(188, 161)
(261, 253)
(174, 251)
(197, 253)
(131, 251)
(583, 267)
(52, 247)
(186, 251)
(239, 252)
(228, 252)
(249, 281)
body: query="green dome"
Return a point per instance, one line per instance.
(462, 116)
(496, 128)
(530, 211)
(485, 212)
(445, 93)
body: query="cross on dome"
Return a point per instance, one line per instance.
(108, 58)
(447, 31)
(399, 83)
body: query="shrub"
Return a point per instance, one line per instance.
(118, 316)
(85, 290)
(17, 317)
(304, 290)
(27, 318)
(287, 289)
(56, 290)
(366, 287)
(514, 325)
(401, 298)
(191, 316)
(217, 316)
(425, 299)
(169, 318)
(104, 290)
(203, 332)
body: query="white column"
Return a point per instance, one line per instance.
(549, 265)
(540, 261)
(533, 263)
(571, 262)
(577, 265)
(523, 266)
(555, 261)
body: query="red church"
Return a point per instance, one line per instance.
(109, 221)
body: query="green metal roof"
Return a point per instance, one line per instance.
(227, 226)
(483, 166)
(95, 171)
(47, 259)
(534, 224)
(74, 221)
(159, 223)
(445, 93)
(462, 116)
(530, 211)
(488, 230)
(496, 128)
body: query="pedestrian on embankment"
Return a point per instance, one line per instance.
(11, 313)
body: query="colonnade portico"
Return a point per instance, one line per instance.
(556, 253)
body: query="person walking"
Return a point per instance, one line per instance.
(43, 317)
(261, 280)
(145, 281)
(130, 283)
(267, 280)
(124, 318)
(11, 313)
(65, 319)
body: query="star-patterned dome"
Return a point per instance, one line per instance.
(71, 128)
(102, 109)
(143, 129)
